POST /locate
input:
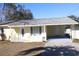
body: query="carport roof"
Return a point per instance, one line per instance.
(41, 22)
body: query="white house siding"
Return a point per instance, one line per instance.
(7, 33)
(74, 32)
(16, 35)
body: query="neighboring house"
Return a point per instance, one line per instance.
(37, 30)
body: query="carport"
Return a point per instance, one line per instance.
(56, 28)
(57, 31)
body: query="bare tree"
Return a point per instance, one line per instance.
(13, 11)
(76, 18)
(73, 17)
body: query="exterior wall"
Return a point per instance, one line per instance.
(7, 33)
(40, 37)
(73, 32)
(55, 30)
(76, 32)
(16, 36)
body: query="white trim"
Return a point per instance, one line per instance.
(45, 31)
(72, 32)
(37, 25)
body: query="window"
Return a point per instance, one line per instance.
(35, 30)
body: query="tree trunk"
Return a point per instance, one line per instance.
(3, 35)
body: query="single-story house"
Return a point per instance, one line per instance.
(38, 30)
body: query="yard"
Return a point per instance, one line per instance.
(10, 49)
(53, 47)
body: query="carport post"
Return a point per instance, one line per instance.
(72, 32)
(45, 33)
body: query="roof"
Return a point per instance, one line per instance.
(41, 22)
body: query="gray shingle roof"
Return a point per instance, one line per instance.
(43, 21)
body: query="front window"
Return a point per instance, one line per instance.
(35, 30)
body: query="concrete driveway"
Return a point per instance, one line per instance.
(59, 40)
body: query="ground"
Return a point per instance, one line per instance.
(61, 46)
(10, 48)
(53, 47)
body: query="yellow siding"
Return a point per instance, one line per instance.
(17, 29)
(27, 29)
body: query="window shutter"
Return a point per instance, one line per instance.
(31, 30)
(23, 31)
(40, 30)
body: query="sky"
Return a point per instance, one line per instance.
(50, 10)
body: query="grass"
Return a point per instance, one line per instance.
(13, 48)
(76, 40)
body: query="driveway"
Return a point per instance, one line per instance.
(55, 47)
(59, 40)
(60, 47)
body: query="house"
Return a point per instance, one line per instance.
(37, 30)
